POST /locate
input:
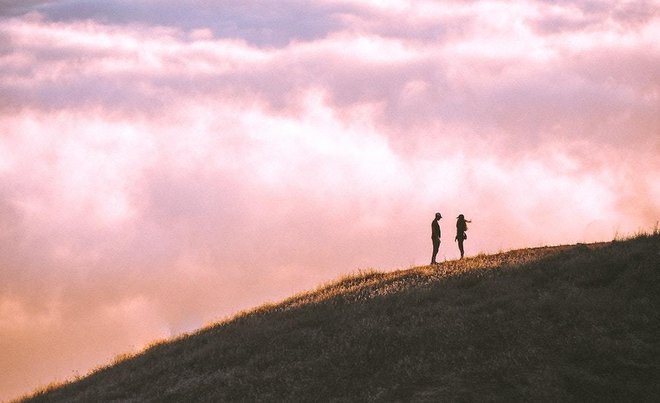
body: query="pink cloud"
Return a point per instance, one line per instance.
(153, 179)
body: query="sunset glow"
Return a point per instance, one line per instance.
(163, 167)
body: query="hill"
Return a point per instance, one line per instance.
(565, 323)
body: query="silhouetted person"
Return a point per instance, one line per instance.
(461, 227)
(435, 236)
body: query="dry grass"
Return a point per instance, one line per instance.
(567, 323)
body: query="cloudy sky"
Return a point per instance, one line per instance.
(163, 165)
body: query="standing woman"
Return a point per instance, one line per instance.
(461, 227)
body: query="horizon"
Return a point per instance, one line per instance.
(163, 167)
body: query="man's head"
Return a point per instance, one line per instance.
(438, 216)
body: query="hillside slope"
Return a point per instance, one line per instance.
(567, 323)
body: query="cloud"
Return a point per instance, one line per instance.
(158, 173)
(254, 22)
(18, 7)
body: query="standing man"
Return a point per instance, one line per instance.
(435, 236)
(461, 227)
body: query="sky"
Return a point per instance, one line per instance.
(166, 164)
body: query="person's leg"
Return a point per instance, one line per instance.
(460, 247)
(436, 246)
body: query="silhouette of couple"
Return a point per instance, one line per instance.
(461, 227)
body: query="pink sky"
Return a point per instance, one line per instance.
(163, 167)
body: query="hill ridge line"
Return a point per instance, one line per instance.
(555, 323)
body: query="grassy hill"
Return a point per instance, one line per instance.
(565, 323)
